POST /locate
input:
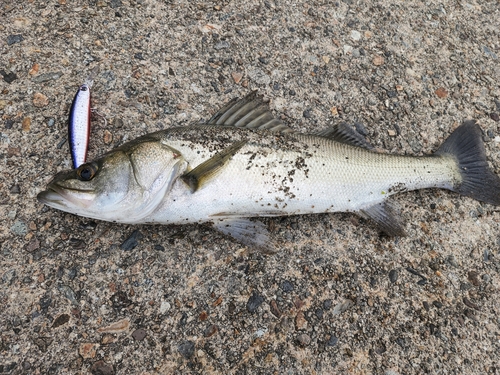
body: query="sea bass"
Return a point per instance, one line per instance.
(244, 163)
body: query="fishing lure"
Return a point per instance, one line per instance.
(79, 122)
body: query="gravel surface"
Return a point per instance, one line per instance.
(85, 297)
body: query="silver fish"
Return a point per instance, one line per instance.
(244, 163)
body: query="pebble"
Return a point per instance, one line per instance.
(102, 368)
(19, 228)
(14, 38)
(254, 302)
(275, 309)
(67, 292)
(327, 304)
(258, 76)
(131, 242)
(378, 60)
(332, 341)
(139, 334)
(355, 35)
(300, 321)
(120, 300)
(495, 116)
(8, 77)
(116, 327)
(40, 100)
(47, 77)
(210, 330)
(441, 92)
(286, 286)
(393, 276)
(51, 122)
(186, 349)
(88, 350)
(108, 137)
(60, 320)
(164, 307)
(473, 277)
(34, 69)
(222, 45)
(237, 76)
(303, 339)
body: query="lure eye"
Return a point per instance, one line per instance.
(86, 172)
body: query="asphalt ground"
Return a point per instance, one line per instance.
(79, 296)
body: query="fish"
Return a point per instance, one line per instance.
(79, 122)
(243, 164)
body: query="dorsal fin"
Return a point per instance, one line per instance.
(249, 112)
(343, 133)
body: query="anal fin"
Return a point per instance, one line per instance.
(251, 233)
(386, 217)
(210, 167)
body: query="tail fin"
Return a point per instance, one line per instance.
(465, 144)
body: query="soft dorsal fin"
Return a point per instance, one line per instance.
(249, 112)
(343, 133)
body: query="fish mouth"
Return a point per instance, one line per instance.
(64, 198)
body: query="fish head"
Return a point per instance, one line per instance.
(124, 185)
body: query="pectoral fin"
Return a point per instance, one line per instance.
(251, 233)
(385, 215)
(210, 167)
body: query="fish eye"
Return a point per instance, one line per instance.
(86, 172)
(83, 88)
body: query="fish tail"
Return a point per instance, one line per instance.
(466, 146)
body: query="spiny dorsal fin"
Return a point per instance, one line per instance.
(343, 133)
(210, 167)
(249, 112)
(386, 217)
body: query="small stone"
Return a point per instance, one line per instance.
(210, 330)
(108, 137)
(355, 35)
(67, 292)
(116, 327)
(378, 60)
(120, 300)
(19, 228)
(26, 125)
(8, 77)
(303, 339)
(107, 339)
(473, 277)
(274, 309)
(494, 116)
(139, 334)
(222, 45)
(332, 341)
(60, 320)
(102, 368)
(131, 242)
(258, 76)
(254, 302)
(327, 304)
(164, 307)
(15, 189)
(286, 286)
(14, 38)
(326, 59)
(391, 133)
(34, 69)
(334, 111)
(300, 321)
(88, 350)
(393, 276)
(40, 100)
(441, 92)
(437, 304)
(237, 76)
(186, 349)
(47, 77)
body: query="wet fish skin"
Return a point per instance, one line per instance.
(244, 163)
